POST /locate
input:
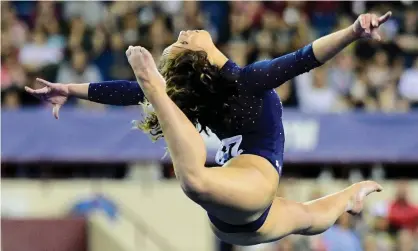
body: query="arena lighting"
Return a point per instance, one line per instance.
(407, 2)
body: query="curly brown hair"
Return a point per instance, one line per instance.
(197, 88)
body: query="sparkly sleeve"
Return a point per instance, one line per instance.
(269, 74)
(116, 92)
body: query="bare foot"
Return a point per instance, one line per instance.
(360, 191)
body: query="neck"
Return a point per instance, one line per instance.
(216, 57)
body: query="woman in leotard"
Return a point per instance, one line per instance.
(197, 85)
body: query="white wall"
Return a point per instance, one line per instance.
(162, 205)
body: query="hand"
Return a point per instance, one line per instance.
(366, 25)
(56, 94)
(145, 70)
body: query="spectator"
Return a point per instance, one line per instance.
(119, 66)
(12, 73)
(408, 35)
(55, 37)
(342, 74)
(341, 237)
(130, 31)
(84, 10)
(264, 42)
(40, 34)
(408, 84)
(382, 238)
(79, 70)
(79, 35)
(157, 42)
(315, 94)
(101, 54)
(402, 213)
(13, 28)
(359, 93)
(287, 94)
(237, 51)
(11, 98)
(38, 53)
(406, 241)
(369, 243)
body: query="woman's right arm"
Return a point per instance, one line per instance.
(115, 92)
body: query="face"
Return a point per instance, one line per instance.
(194, 40)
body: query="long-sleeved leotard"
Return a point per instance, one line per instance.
(256, 111)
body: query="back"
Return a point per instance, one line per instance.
(256, 111)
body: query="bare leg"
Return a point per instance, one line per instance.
(316, 216)
(325, 211)
(241, 185)
(185, 144)
(247, 184)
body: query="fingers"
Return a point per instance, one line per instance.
(367, 21)
(375, 21)
(38, 91)
(375, 35)
(385, 17)
(55, 110)
(370, 22)
(364, 24)
(44, 82)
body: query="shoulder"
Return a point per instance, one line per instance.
(230, 71)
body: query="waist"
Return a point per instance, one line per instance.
(275, 159)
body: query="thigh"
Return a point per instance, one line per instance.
(244, 186)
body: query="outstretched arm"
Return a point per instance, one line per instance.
(116, 92)
(365, 26)
(269, 74)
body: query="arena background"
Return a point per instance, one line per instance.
(87, 182)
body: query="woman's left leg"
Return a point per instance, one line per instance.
(289, 217)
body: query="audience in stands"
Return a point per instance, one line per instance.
(68, 42)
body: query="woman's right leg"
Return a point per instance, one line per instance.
(243, 185)
(314, 217)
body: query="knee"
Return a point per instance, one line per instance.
(194, 187)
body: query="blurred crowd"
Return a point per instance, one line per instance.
(386, 226)
(81, 42)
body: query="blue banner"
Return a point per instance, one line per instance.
(82, 135)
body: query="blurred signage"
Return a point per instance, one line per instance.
(81, 135)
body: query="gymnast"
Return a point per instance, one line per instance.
(196, 86)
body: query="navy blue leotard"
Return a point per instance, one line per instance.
(257, 112)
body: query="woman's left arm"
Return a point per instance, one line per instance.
(365, 26)
(269, 74)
